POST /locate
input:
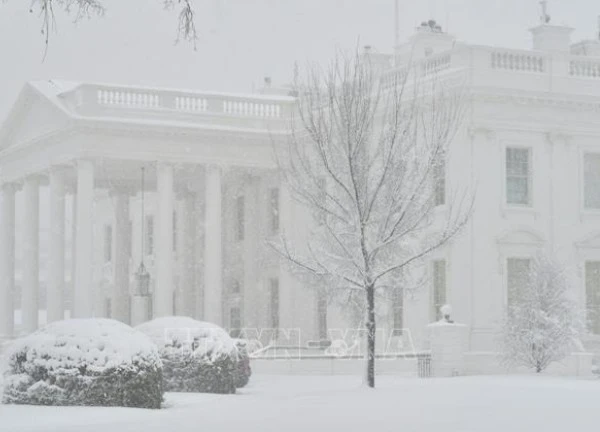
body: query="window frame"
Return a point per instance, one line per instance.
(235, 283)
(530, 176)
(233, 330)
(584, 208)
(398, 312)
(520, 257)
(595, 331)
(440, 184)
(108, 241)
(322, 315)
(240, 218)
(274, 210)
(274, 305)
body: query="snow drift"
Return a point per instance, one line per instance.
(96, 362)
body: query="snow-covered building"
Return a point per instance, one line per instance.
(529, 147)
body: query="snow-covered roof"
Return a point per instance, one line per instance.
(48, 106)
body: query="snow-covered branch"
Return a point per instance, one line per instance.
(543, 323)
(186, 20)
(363, 157)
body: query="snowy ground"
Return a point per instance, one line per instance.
(337, 403)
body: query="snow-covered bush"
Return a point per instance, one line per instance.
(197, 356)
(95, 362)
(243, 370)
(543, 323)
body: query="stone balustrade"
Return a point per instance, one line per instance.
(517, 61)
(585, 68)
(503, 68)
(90, 97)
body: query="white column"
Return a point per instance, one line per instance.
(120, 294)
(56, 256)
(73, 249)
(82, 292)
(213, 248)
(31, 243)
(186, 296)
(7, 260)
(253, 310)
(163, 295)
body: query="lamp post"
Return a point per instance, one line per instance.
(141, 302)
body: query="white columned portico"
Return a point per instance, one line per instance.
(120, 295)
(213, 248)
(7, 260)
(56, 257)
(82, 301)
(163, 295)
(31, 243)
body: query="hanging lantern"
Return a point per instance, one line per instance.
(142, 281)
(142, 277)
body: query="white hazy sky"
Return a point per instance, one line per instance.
(242, 41)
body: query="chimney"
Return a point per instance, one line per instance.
(551, 38)
(429, 39)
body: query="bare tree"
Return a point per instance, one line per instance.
(363, 157)
(543, 322)
(186, 21)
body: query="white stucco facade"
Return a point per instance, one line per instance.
(209, 165)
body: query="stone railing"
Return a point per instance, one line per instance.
(134, 99)
(585, 68)
(434, 65)
(517, 61)
(127, 98)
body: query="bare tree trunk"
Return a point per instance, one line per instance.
(371, 336)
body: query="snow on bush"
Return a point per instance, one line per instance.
(543, 323)
(197, 356)
(95, 362)
(243, 370)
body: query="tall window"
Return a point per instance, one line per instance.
(274, 304)
(108, 232)
(235, 287)
(592, 295)
(149, 235)
(518, 176)
(517, 274)
(235, 321)
(398, 311)
(274, 210)
(591, 186)
(322, 314)
(239, 218)
(439, 288)
(440, 183)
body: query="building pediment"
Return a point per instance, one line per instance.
(33, 116)
(521, 236)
